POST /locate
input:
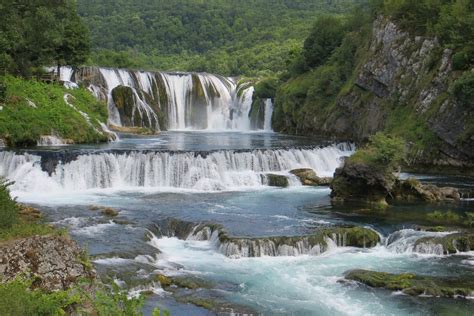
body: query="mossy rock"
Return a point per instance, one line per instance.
(183, 282)
(412, 284)
(110, 212)
(277, 180)
(307, 176)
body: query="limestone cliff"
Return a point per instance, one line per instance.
(400, 84)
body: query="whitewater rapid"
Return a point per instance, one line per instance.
(213, 171)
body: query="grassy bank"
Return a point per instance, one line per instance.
(30, 109)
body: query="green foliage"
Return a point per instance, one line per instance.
(327, 34)
(17, 298)
(451, 21)
(8, 207)
(266, 89)
(21, 124)
(463, 59)
(224, 36)
(38, 33)
(463, 88)
(117, 302)
(382, 152)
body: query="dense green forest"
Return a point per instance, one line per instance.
(223, 36)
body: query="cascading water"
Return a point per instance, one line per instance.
(215, 171)
(189, 101)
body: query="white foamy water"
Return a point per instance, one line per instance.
(192, 101)
(216, 171)
(302, 285)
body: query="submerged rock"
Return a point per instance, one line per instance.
(54, 262)
(414, 285)
(276, 180)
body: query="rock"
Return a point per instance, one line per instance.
(3, 143)
(307, 176)
(110, 212)
(130, 103)
(29, 213)
(360, 182)
(54, 262)
(414, 285)
(277, 180)
(411, 189)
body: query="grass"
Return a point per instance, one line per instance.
(32, 108)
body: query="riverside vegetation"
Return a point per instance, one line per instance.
(28, 290)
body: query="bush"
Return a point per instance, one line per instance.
(266, 89)
(17, 298)
(382, 152)
(463, 59)
(463, 88)
(8, 206)
(327, 34)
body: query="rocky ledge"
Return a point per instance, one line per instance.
(53, 262)
(414, 285)
(361, 182)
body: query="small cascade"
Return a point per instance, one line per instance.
(191, 101)
(267, 125)
(320, 241)
(416, 241)
(214, 171)
(50, 140)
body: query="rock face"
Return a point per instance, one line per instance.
(401, 80)
(132, 109)
(414, 285)
(53, 261)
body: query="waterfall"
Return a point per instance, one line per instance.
(189, 101)
(268, 115)
(214, 171)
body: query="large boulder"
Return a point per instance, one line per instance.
(276, 180)
(360, 182)
(54, 262)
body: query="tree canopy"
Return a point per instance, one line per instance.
(34, 33)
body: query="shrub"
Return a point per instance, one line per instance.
(463, 88)
(382, 152)
(17, 298)
(8, 206)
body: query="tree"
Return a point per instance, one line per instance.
(326, 35)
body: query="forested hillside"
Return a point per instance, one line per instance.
(228, 37)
